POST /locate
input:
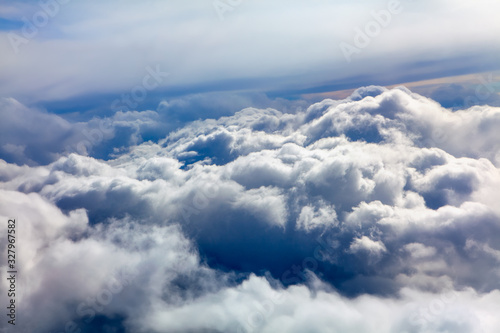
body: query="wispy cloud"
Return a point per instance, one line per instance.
(258, 40)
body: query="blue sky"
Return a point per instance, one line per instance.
(251, 166)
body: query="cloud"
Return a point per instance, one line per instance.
(121, 39)
(366, 244)
(25, 141)
(350, 215)
(255, 307)
(17, 126)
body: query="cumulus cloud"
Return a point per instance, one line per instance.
(372, 213)
(33, 136)
(366, 244)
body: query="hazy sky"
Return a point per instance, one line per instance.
(85, 49)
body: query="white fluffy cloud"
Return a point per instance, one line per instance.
(373, 213)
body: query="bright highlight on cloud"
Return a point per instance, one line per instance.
(377, 213)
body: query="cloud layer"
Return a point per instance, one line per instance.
(374, 213)
(295, 45)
